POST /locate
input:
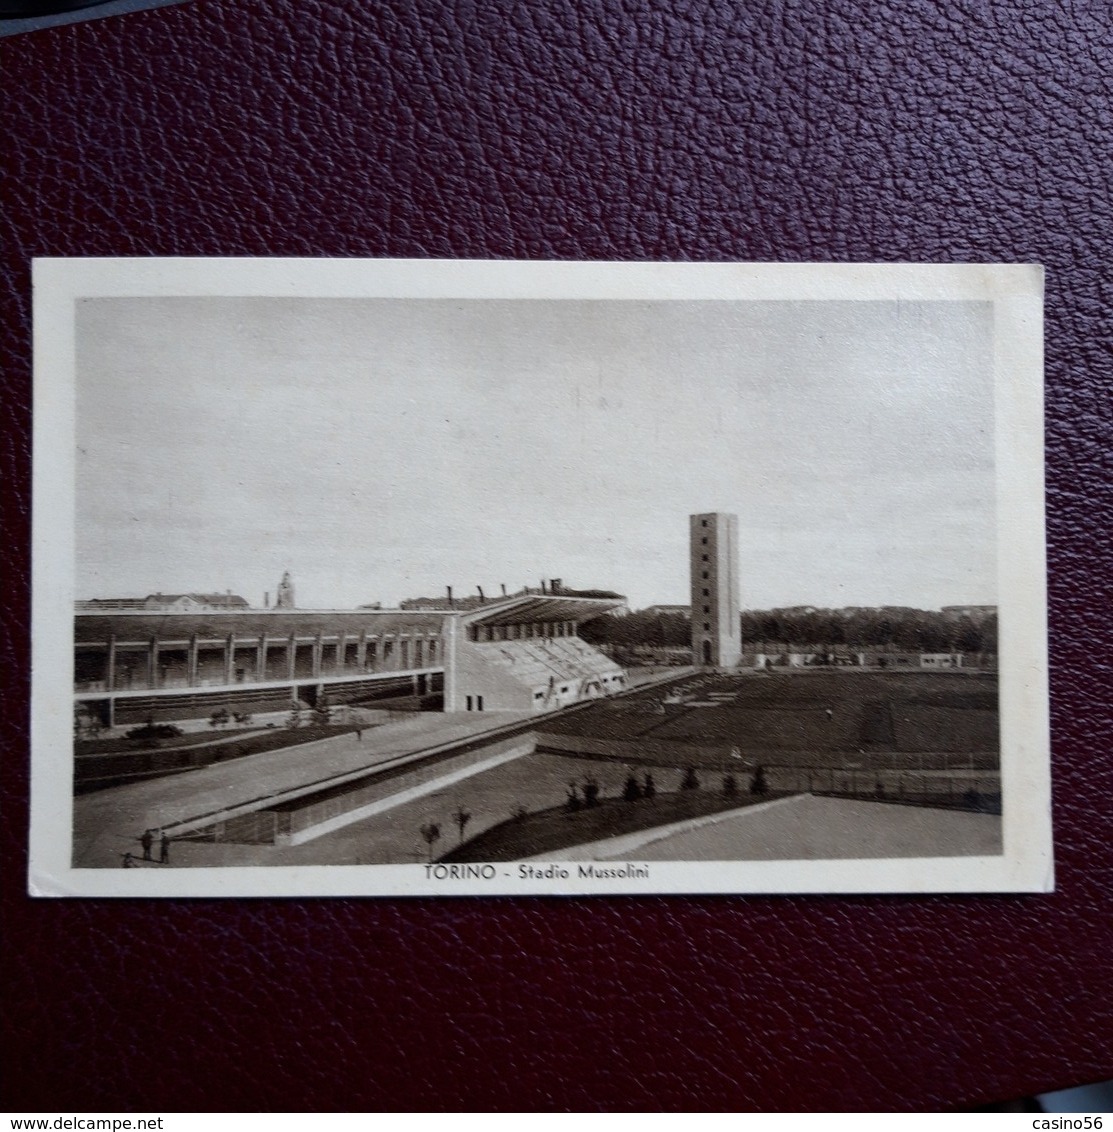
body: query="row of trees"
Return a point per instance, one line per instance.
(431, 831)
(222, 718)
(585, 793)
(911, 630)
(89, 726)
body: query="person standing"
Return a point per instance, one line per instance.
(164, 849)
(147, 840)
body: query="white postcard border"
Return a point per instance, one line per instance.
(1016, 292)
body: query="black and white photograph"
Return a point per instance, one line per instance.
(360, 577)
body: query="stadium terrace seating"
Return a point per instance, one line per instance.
(538, 662)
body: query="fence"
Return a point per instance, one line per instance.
(939, 779)
(668, 752)
(953, 789)
(657, 751)
(262, 827)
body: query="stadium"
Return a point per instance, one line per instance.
(496, 715)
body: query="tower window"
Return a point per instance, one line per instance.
(706, 627)
(707, 609)
(706, 593)
(706, 574)
(703, 522)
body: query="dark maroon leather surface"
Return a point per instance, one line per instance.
(818, 130)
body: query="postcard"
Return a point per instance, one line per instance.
(427, 578)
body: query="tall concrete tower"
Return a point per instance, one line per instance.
(716, 632)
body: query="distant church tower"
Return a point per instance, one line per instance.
(716, 631)
(285, 598)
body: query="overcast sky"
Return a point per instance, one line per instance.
(383, 449)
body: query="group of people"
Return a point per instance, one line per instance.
(147, 841)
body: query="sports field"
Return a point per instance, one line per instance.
(837, 719)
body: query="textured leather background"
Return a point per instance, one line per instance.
(609, 129)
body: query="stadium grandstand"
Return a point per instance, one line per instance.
(174, 662)
(523, 654)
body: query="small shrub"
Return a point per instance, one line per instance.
(86, 726)
(649, 787)
(690, 780)
(591, 792)
(632, 791)
(430, 833)
(758, 784)
(461, 817)
(572, 800)
(730, 785)
(322, 713)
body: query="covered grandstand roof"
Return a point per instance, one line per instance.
(526, 608)
(97, 625)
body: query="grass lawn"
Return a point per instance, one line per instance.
(551, 830)
(121, 746)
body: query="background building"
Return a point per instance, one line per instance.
(976, 613)
(285, 598)
(170, 603)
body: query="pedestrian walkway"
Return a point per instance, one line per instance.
(107, 824)
(803, 827)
